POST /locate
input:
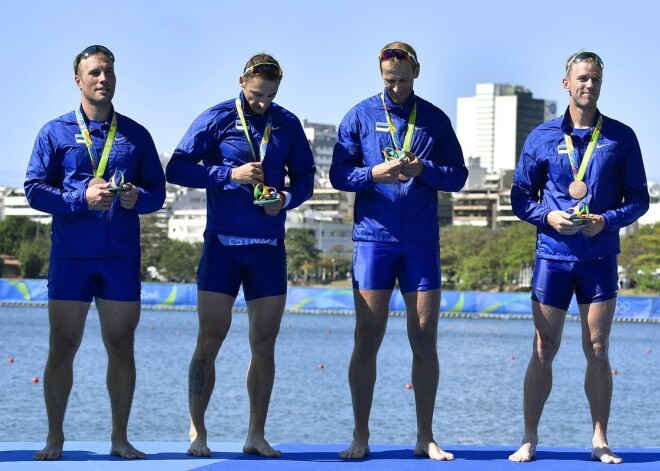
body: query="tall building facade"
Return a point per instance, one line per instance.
(321, 138)
(493, 124)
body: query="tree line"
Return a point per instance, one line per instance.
(472, 258)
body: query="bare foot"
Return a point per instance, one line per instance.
(356, 451)
(259, 446)
(52, 451)
(198, 447)
(527, 452)
(126, 450)
(432, 450)
(605, 455)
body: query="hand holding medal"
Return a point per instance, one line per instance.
(265, 195)
(117, 182)
(579, 213)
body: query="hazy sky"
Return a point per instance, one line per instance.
(175, 59)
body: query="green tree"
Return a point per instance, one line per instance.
(33, 256)
(14, 230)
(177, 260)
(460, 247)
(29, 242)
(477, 258)
(640, 258)
(301, 251)
(153, 233)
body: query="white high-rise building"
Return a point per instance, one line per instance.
(321, 138)
(493, 124)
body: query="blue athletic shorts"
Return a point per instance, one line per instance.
(377, 265)
(82, 279)
(555, 281)
(260, 268)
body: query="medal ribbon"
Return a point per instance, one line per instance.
(264, 139)
(98, 165)
(578, 174)
(407, 141)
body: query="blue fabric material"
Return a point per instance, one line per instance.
(77, 279)
(402, 211)
(615, 178)
(217, 139)
(260, 268)
(555, 281)
(377, 265)
(57, 177)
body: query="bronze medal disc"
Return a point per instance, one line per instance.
(577, 189)
(95, 181)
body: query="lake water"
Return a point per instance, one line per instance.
(479, 402)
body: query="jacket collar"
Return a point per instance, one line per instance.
(403, 108)
(566, 126)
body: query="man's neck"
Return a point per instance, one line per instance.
(582, 118)
(97, 112)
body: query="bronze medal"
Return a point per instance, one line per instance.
(95, 181)
(577, 189)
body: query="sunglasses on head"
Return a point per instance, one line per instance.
(264, 67)
(401, 54)
(582, 56)
(91, 50)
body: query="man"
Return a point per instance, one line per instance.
(580, 179)
(247, 145)
(396, 231)
(95, 171)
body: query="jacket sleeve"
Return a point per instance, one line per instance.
(151, 179)
(636, 199)
(528, 181)
(347, 171)
(184, 169)
(301, 169)
(445, 170)
(43, 185)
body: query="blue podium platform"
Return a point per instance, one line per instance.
(171, 456)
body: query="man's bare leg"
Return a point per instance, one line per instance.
(423, 308)
(596, 327)
(549, 326)
(214, 312)
(371, 314)
(118, 323)
(67, 324)
(265, 318)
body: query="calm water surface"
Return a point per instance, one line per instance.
(479, 401)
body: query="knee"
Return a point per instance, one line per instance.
(546, 349)
(63, 348)
(263, 343)
(208, 344)
(424, 345)
(596, 351)
(368, 338)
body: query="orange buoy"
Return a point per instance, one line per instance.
(408, 386)
(35, 380)
(11, 360)
(614, 372)
(320, 366)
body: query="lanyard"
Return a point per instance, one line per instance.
(264, 139)
(98, 165)
(409, 131)
(578, 174)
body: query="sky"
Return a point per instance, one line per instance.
(175, 59)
